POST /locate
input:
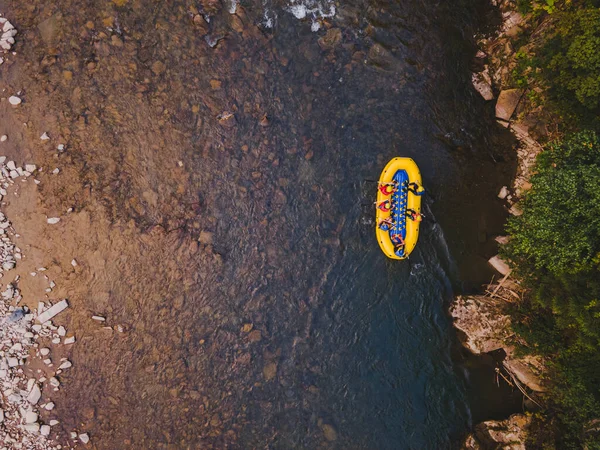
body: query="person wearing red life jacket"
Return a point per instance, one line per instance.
(388, 188)
(384, 206)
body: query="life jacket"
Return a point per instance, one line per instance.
(397, 239)
(386, 189)
(385, 205)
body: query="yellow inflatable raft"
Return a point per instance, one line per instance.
(396, 207)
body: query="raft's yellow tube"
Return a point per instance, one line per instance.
(414, 203)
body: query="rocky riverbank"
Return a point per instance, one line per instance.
(482, 320)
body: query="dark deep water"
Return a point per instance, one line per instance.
(355, 351)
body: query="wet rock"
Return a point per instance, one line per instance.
(378, 56)
(200, 24)
(482, 82)
(269, 371)
(507, 103)
(332, 39)
(226, 119)
(329, 432)
(206, 237)
(158, 67)
(264, 122)
(255, 336)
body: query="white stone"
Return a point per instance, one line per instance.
(44, 351)
(54, 382)
(1, 416)
(56, 341)
(65, 365)
(69, 340)
(83, 437)
(49, 406)
(61, 331)
(53, 220)
(55, 171)
(3, 138)
(74, 263)
(53, 311)
(30, 417)
(61, 147)
(30, 167)
(54, 422)
(32, 427)
(503, 193)
(44, 137)
(45, 430)
(11, 166)
(12, 362)
(14, 100)
(34, 395)
(99, 318)
(497, 263)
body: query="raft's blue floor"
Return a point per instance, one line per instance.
(399, 205)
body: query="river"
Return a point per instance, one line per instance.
(257, 134)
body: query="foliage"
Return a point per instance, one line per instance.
(555, 247)
(567, 61)
(559, 231)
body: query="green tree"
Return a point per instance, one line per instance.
(555, 246)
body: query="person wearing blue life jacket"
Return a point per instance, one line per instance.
(398, 242)
(416, 189)
(386, 223)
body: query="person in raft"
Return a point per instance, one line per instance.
(398, 242)
(388, 188)
(414, 216)
(386, 223)
(416, 189)
(385, 205)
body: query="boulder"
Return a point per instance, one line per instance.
(486, 328)
(507, 103)
(497, 263)
(482, 82)
(509, 434)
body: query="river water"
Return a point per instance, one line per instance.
(288, 328)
